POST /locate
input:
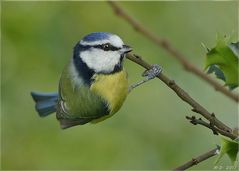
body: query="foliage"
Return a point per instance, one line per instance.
(229, 147)
(223, 61)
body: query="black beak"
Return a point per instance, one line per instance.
(126, 49)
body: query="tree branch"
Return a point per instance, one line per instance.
(226, 131)
(171, 50)
(195, 121)
(214, 129)
(198, 159)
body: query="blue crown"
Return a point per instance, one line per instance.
(96, 36)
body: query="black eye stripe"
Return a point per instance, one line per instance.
(105, 47)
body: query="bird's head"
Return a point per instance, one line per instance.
(102, 52)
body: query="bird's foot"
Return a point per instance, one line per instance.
(153, 72)
(148, 74)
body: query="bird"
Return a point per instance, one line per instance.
(93, 85)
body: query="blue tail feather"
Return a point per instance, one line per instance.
(45, 103)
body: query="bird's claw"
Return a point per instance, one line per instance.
(153, 72)
(148, 74)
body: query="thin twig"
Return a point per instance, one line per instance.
(199, 121)
(186, 97)
(214, 129)
(198, 159)
(170, 49)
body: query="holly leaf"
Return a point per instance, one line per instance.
(235, 48)
(223, 61)
(215, 69)
(229, 147)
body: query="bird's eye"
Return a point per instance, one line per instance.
(106, 46)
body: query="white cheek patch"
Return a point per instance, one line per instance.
(100, 60)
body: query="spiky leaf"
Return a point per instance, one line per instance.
(215, 69)
(223, 60)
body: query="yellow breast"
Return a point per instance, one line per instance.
(113, 88)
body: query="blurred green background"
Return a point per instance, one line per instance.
(150, 131)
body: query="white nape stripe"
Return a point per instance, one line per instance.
(74, 76)
(113, 40)
(98, 42)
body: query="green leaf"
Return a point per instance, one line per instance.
(215, 69)
(235, 48)
(223, 61)
(229, 147)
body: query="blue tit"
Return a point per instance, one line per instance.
(93, 85)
